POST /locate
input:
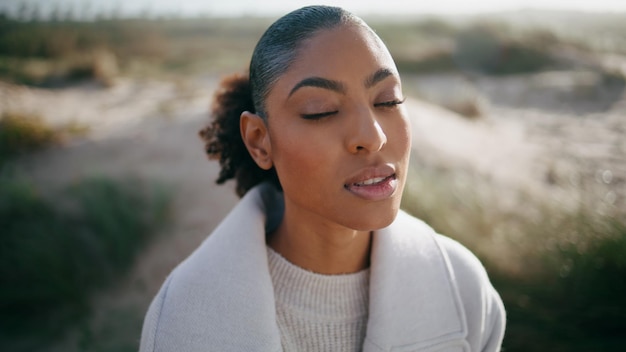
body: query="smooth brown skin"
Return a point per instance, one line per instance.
(326, 228)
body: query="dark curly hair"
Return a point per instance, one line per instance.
(272, 57)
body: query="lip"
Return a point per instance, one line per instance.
(373, 183)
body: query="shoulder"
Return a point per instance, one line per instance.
(416, 234)
(465, 265)
(481, 302)
(467, 273)
(419, 244)
(227, 275)
(482, 306)
(151, 321)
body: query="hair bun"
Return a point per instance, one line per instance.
(222, 137)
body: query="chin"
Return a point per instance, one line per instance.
(376, 221)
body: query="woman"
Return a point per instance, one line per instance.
(317, 255)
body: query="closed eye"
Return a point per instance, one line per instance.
(389, 104)
(318, 115)
(385, 104)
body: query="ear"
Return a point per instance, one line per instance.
(257, 139)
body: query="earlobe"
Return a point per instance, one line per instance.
(256, 138)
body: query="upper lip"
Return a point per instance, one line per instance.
(383, 170)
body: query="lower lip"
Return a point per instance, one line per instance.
(378, 191)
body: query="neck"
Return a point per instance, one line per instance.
(321, 247)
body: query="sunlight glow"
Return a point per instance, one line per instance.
(276, 7)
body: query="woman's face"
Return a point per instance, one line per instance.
(339, 136)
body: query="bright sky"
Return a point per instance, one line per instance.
(277, 7)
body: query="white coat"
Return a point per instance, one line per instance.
(427, 292)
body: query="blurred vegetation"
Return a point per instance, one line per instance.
(560, 272)
(64, 50)
(56, 249)
(52, 52)
(488, 50)
(490, 47)
(20, 133)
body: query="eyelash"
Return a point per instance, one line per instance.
(390, 104)
(386, 104)
(318, 116)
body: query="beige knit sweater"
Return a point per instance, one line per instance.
(319, 312)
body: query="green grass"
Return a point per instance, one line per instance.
(56, 250)
(559, 271)
(119, 333)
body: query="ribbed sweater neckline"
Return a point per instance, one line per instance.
(333, 297)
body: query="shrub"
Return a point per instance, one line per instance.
(436, 60)
(575, 300)
(53, 53)
(485, 49)
(55, 251)
(21, 133)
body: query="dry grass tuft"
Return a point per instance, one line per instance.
(21, 133)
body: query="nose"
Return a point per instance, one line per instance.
(365, 134)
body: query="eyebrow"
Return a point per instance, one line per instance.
(377, 77)
(319, 82)
(339, 87)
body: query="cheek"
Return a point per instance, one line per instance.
(299, 156)
(399, 136)
(406, 135)
(406, 130)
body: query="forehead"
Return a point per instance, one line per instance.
(346, 53)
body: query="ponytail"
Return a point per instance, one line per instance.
(222, 137)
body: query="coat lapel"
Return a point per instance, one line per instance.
(414, 305)
(222, 295)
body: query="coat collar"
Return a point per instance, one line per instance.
(413, 300)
